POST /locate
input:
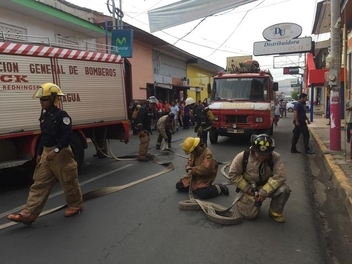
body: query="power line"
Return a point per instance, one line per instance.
(235, 28)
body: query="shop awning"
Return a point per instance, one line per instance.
(164, 85)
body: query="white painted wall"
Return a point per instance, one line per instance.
(37, 27)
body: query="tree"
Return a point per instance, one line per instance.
(294, 95)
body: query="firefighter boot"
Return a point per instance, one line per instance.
(279, 218)
(224, 189)
(71, 211)
(143, 158)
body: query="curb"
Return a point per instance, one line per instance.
(339, 179)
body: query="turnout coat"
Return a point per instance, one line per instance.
(204, 168)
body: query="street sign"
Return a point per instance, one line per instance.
(290, 70)
(288, 46)
(294, 85)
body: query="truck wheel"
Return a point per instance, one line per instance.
(213, 136)
(78, 149)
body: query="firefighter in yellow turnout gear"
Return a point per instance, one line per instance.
(166, 127)
(202, 167)
(259, 177)
(143, 122)
(55, 160)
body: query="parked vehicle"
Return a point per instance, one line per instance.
(243, 102)
(94, 90)
(290, 106)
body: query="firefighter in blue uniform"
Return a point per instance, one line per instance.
(55, 159)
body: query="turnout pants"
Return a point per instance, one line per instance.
(160, 139)
(246, 204)
(63, 168)
(144, 140)
(203, 193)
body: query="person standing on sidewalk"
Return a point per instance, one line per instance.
(300, 122)
(55, 160)
(349, 120)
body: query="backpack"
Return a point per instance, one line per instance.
(208, 114)
(135, 112)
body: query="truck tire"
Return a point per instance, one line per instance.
(213, 136)
(78, 149)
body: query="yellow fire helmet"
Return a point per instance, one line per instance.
(49, 90)
(190, 144)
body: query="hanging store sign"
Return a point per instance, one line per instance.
(122, 42)
(282, 31)
(298, 45)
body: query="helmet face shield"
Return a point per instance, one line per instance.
(38, 93)
(49, 90)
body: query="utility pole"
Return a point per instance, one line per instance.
(113, 15)
(334, 78)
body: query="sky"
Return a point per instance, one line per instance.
(226, 34)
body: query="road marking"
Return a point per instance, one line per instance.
(61, 192)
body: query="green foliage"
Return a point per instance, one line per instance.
(294, 95)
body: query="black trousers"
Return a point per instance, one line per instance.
(349, 127)
(202, 193)
(297, 131)
(160, 139)
(186, 122)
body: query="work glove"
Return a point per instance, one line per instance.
(188, 169)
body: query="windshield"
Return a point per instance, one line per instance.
(240, 89)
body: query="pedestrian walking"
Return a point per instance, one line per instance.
(277, 114)
(300, 122)
(55, 160)
(349, 120)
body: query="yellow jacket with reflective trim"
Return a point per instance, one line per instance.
(274, 179)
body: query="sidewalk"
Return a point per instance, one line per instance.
(338, 163)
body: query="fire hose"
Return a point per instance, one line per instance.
(215, 212)
(169, 166)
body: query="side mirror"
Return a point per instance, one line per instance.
(209, 88)
(275, 86)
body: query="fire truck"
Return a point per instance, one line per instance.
(242, 102)
(93, 84)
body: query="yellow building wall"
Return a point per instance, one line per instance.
(199, 78)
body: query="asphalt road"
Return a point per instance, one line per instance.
(143, 224)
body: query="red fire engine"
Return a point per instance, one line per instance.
(94, 90)
(242, 102)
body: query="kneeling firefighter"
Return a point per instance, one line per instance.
(202, 167)
(260, 173)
